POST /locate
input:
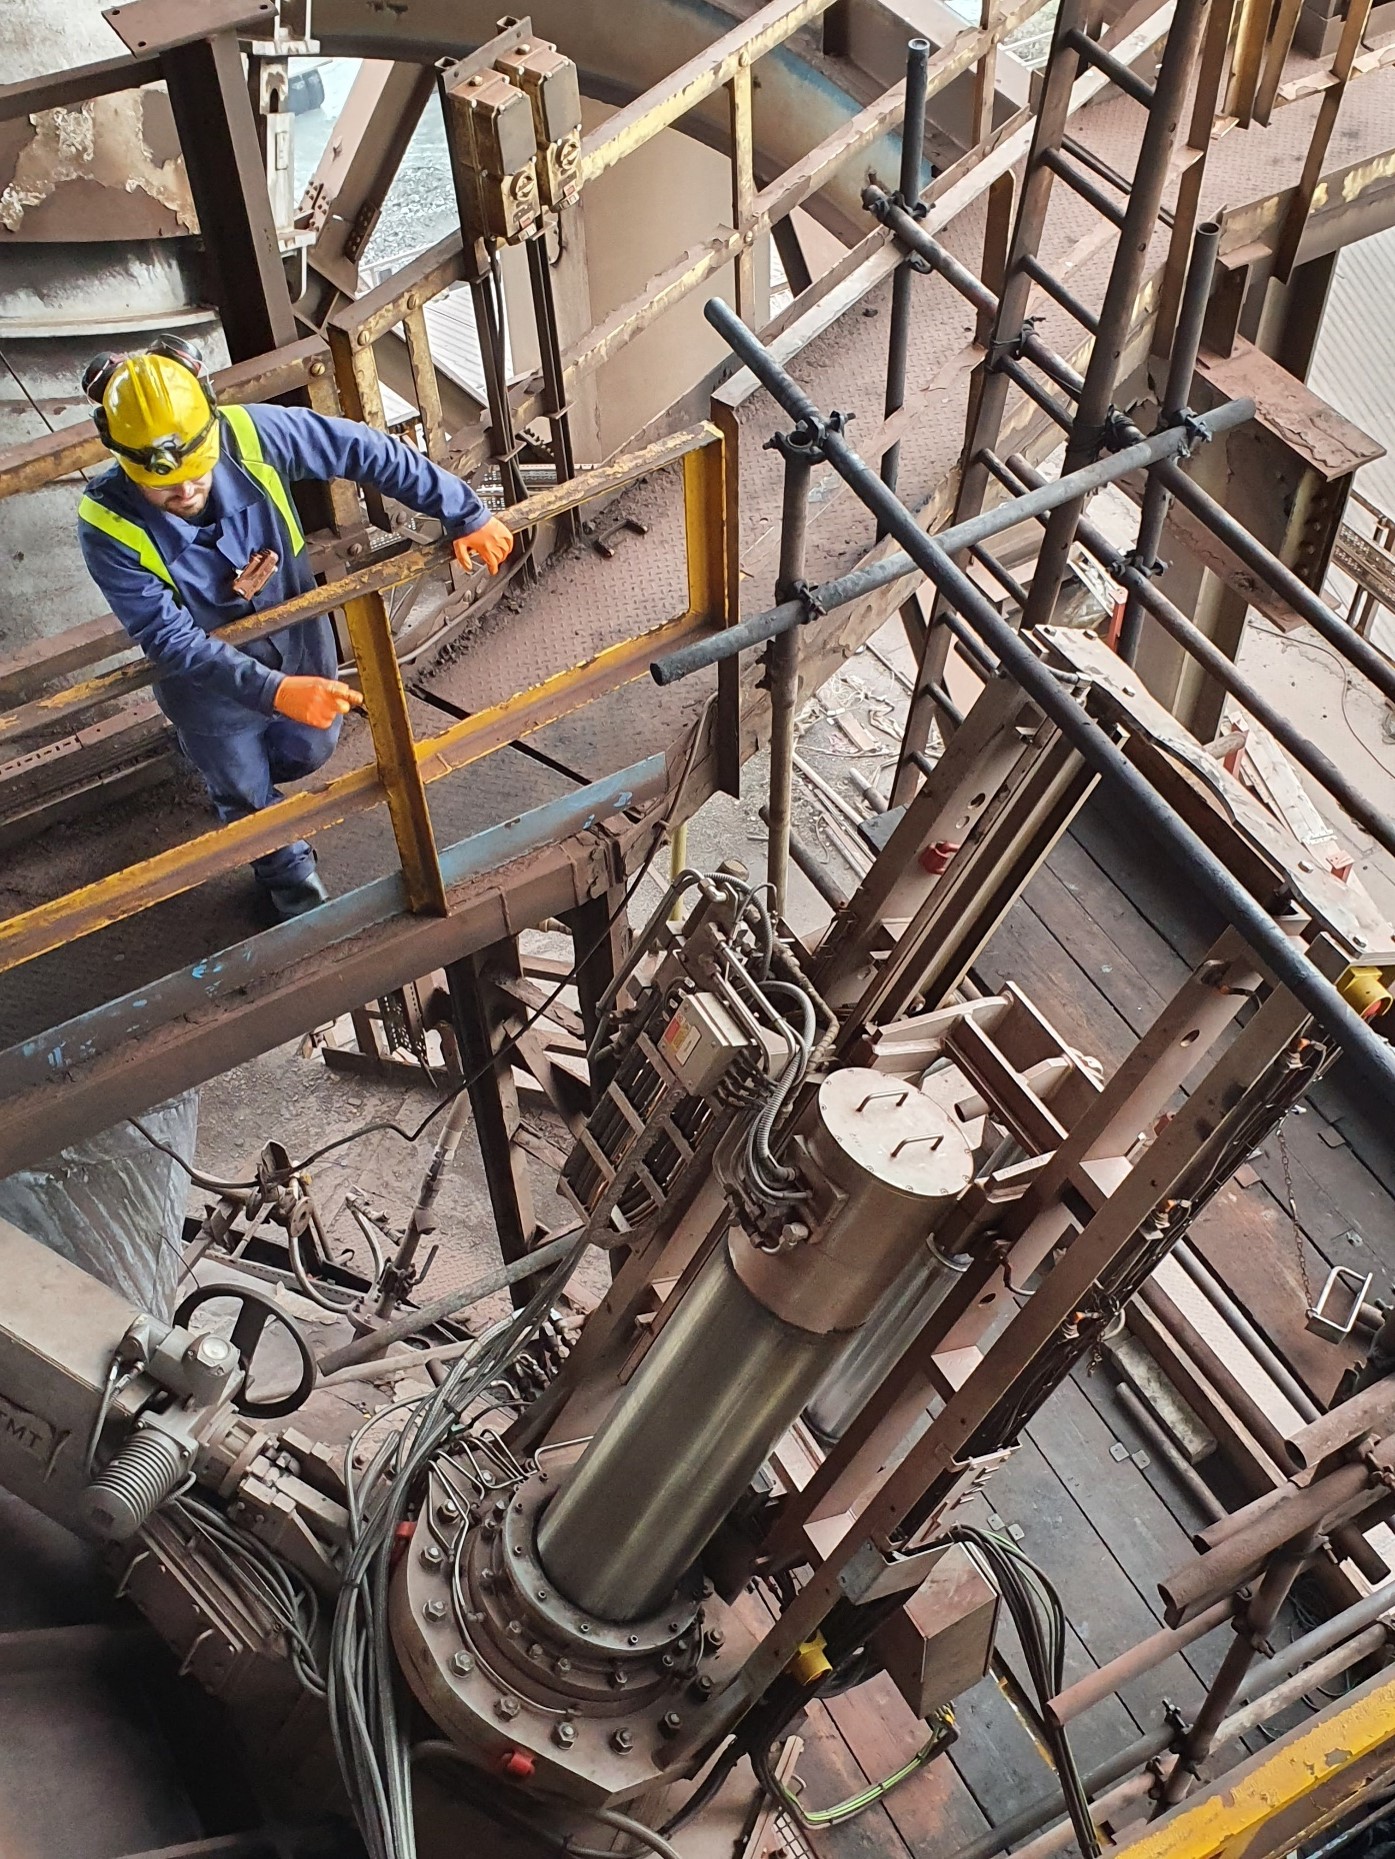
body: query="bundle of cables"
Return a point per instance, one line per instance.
(1040, 1620)
(269, 1588)
(370, 1736)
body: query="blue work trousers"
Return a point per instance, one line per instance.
(241, 769)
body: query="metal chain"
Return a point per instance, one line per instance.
(1292, 1205)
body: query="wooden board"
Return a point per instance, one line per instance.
(934, 1811)
(1102, 962)
(1117, 914)
(1335, 1193)
(1106, 1608)
(1026, 952)
(1163, 896)
(1248, 1240)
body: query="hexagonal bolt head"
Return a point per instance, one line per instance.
(432, 1556)
(565, 1734)
(506, 1707)
(448, 1511)
(435, 1610)
(703, 1685)
(716, 1639)
(670, 1723)
(461, 1664)
(622, 1741)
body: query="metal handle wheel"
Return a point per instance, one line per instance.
(254, 1313)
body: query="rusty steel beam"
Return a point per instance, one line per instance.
(701, 77)
(177, 1031)
(486, 1018)
(145, 26)
(32, 96)
(366, 319)
(345, 196)
(1291, 237)
(227, 176)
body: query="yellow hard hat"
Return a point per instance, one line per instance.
(156, 412)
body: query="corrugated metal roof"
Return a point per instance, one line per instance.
(1354, 364)
(455, 342)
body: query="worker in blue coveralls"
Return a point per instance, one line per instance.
(194, 527)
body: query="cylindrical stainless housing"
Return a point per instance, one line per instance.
(868, 1358)
(723, 1380)
(748, 1346)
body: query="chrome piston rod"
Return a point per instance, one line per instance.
(748, 1345)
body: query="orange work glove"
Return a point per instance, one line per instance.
(493, 544)
(316, 702)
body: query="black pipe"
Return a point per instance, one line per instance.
(1087, 158)
(898, 341)
(1009, 582)
(896, 566)
(1176, 398)
(1118, 74)
(1053, 287)
(1018, 474)
(802, 855)
(782, 659)
(1369, 1054)
(1080, 184)
(1261, 561)
(1036, 393)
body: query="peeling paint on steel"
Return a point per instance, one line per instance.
(103, 141)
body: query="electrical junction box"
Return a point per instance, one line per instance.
(940, 1642)
(700, 1043)
(489, 129)
(550, 82)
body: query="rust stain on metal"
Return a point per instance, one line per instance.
(1332, 445)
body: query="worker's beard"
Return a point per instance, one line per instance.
(187, 499)
(192, 503)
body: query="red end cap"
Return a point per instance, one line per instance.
(934, 859)
(401, 1536)
(517, 1764)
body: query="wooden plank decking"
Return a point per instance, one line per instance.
(1100, 940)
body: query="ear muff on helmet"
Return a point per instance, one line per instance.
(95, 379)
(98, 373)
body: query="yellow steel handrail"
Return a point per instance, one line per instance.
(404, 765)
(68, 703)
(1287, 1793)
